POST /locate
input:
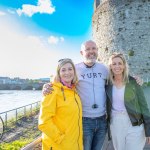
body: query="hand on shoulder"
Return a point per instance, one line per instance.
(47, 88)
(138, 80)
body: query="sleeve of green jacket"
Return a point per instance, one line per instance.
(47, 112)
(144, 109)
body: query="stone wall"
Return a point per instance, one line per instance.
(124, 25)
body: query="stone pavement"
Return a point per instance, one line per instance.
(109, 146)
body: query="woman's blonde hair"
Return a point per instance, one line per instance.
(61, 63)
(126, 68)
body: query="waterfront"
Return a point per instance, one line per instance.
(10, 99)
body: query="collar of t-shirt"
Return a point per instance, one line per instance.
(87, 66)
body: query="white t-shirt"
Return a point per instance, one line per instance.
(91, 88)
(118, 99)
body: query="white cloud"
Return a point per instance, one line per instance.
(25, 56)
(11, 11)
(29, 56)
(43, 6)
(2, 13)
(62, 39)
(55, 40)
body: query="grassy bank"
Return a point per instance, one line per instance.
(24, 133)
(16, 145)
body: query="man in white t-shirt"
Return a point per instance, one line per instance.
(91, 88)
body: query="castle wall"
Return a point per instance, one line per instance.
(124, 25)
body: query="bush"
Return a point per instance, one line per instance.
(16, 145)
(145, 84)
(148, 84)
(131, 53)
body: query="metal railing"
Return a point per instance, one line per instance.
(11, 117)
(1, 127)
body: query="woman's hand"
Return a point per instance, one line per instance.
(47, 89)
(148, 140)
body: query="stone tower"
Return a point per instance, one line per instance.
(124, 25)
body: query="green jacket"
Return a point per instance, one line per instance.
(135, 104)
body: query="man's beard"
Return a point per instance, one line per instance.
(90, 60)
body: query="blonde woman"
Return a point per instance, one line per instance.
(127, 109)
(60, 118)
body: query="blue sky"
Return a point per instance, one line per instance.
(35, 34)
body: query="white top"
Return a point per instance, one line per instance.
(118, 99)
(91, 88)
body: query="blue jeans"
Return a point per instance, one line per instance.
(94, 132)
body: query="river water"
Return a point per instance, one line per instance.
(10, 99)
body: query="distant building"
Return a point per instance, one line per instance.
(17, 83)
(44, 80)
(5, 80)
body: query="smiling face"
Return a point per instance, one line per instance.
(89, 52)
(117, 66)
(67, 73)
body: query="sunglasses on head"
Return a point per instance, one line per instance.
(64, 59)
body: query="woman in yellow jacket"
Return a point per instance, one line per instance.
(60, 118)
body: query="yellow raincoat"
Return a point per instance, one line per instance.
(60, 120)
